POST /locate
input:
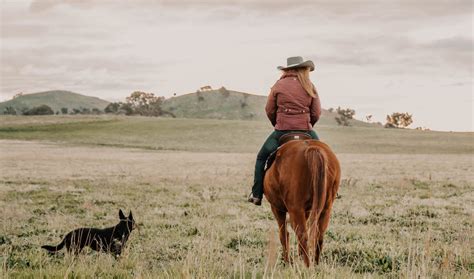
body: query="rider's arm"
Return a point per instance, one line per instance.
(315, 109)
(271, 107)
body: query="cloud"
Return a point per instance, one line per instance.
(361, 9)
(38, 5)
(452, 44)
(45, 5)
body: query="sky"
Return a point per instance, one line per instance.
(376, 57)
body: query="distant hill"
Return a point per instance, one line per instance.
(229, 104)
(56, 99)
(212, 104)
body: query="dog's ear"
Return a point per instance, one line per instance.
(130, 216)
(121, 215)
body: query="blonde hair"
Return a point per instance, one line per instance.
(303, 76)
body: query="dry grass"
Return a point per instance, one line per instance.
(407, 215)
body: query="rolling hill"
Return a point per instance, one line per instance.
(56, 99)
(213, 104)
(231, 105)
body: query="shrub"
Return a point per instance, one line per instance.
(75, 111)
(146, 104)
(40, 110)
(96, 111)
(125, 109)
(85, 111)
(139, 103)
(112, 107)
(119, 108)
(224, 92)
(200, 97)
(9, 110)
(399, 120)
(64, 110)
(344, 115)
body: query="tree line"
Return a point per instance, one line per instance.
(147, 104)
(394, 120)
(138, 103)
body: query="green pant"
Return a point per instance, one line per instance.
(270, 145)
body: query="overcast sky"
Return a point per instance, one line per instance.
(377, 57)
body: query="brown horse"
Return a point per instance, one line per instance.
(303, 181)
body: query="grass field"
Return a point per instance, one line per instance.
(209, 135)
(406, 208)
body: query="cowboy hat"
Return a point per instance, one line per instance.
(297, 62)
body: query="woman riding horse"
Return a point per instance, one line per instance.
(293, 105)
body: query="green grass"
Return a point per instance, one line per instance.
(412, 220)
(405, 211)
(208, 135)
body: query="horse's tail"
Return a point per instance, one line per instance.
(54, 249)
(318, 169)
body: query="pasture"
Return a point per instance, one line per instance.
(406, 206)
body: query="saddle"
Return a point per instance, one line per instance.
(293, 136)
(284, 139)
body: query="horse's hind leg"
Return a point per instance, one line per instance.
(298, 222)
(284, 235)
(323, 223)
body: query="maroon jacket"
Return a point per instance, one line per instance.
(289, 107)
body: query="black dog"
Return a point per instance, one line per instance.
(111, 240)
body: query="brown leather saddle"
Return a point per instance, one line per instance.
(284, 139)
(293, 136)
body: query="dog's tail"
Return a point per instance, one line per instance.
(54, 249)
